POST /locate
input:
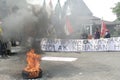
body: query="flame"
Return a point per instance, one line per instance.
(33, 64)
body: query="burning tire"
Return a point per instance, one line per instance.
(33, 69)
(26, 75)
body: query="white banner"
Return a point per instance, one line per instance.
(77, 45)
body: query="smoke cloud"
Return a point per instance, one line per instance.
(19, 16)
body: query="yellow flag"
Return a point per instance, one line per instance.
(0, 30)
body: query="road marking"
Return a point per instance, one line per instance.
(67, 59)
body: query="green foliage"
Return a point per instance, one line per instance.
(116, 10)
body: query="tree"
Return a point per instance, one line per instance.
(116, 10)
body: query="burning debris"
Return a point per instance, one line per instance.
(33, 69)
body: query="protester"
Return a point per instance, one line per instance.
(89, 36)
(107, 34)
(1, 31)
(0, 47)
(9, 48)
(4, 49)
(84, 36)
(97, 34)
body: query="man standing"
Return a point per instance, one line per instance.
(97, 34)
(107, 34)
(3, 48)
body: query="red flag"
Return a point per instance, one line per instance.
(103, 28)
(68, 27)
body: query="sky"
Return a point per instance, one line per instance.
(99, 8)
(102, 8)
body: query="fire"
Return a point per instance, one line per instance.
(33, 64)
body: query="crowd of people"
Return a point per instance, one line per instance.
(5, 48)
(97, 34)
(5, 45)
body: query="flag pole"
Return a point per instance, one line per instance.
(103, 28)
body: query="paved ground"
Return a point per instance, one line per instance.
(88, 66)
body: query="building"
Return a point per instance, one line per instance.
(82, 19)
